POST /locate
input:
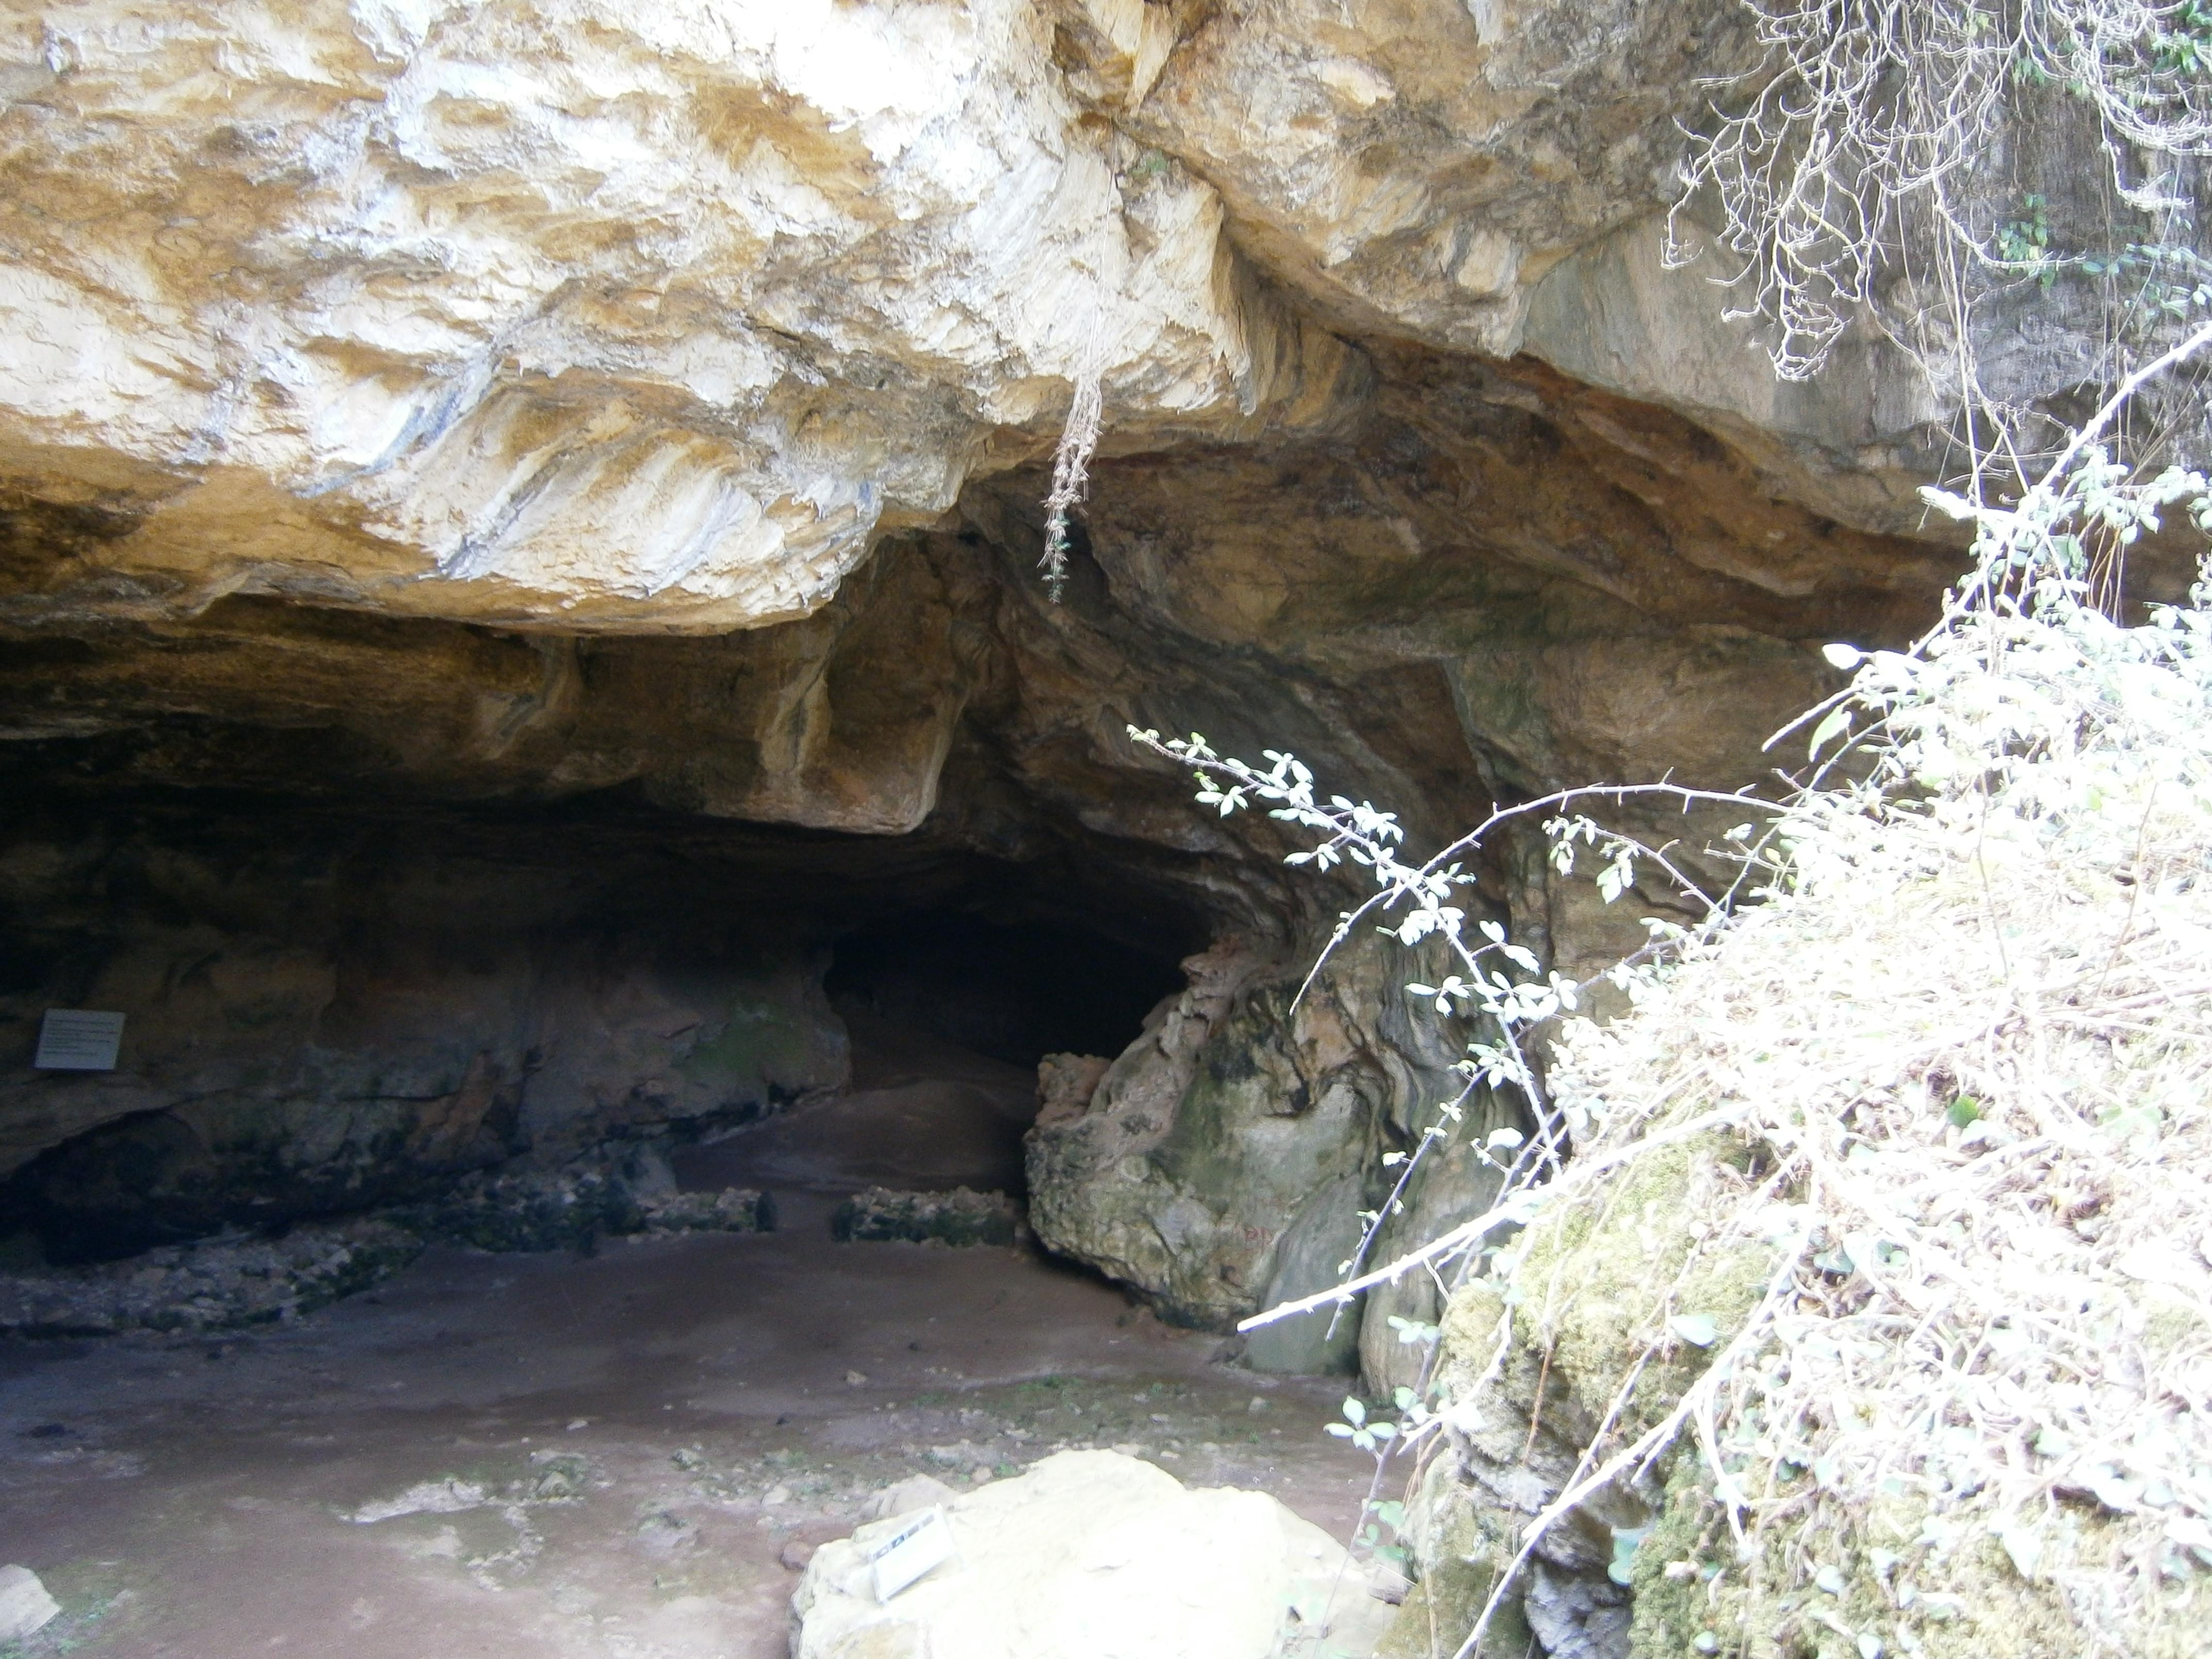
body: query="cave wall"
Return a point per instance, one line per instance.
(325, 1015)
(389, 897)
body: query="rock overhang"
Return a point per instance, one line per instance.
(441, 419)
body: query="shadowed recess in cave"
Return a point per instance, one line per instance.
(1015, 993)
(335, 1009)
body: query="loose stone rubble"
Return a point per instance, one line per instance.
(236, 1279)
(209, 1285)
(959, 1217)
(574, 1208)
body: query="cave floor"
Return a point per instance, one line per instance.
(622, 1455)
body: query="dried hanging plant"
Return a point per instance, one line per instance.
(1071, 475)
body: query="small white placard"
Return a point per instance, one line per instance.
(922, 1542)
(78, 1040)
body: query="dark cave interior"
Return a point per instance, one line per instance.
(338, 1005)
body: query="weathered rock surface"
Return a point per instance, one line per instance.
(574, 312)
(1856, 442)
(584, 317)
(1225, 1158)
(352, 1020)
(1093, 1555)
(1419, 165)
(1066, 1084)
(1527, 1373)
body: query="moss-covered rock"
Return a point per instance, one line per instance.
(1606, 1310)
(1533, 1359)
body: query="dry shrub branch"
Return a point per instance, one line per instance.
(1964, 1056)
(1969, 1048)
(1915, 1351)
(1872, 168)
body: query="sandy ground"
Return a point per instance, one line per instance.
(619, 1456)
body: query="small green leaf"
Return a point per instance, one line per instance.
(1625, 1543)
(1695, 1328)
(1838, 722)
(1964, 1110)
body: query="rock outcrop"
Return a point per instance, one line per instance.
(585, 317)
(1411, 168)
(1225, 1158)
(577, 314)
(519, 526)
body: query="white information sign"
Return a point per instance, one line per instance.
(78, 1040)
(922, 1542)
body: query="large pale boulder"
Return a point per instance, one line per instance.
(26, 1608)
(1094, 1555)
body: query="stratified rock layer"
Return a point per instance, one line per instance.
(959, 1218)
(578, 312)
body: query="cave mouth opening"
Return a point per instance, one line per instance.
(949, 1010)
(342, 1008)
(1015, 992)
(333, 1013)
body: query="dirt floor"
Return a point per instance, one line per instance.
(623, 1456)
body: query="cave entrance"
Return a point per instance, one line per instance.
(1015, 992)
(346, 1009)
(337, 1011)
(949, 1013)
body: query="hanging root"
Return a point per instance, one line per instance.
(1071, 478)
